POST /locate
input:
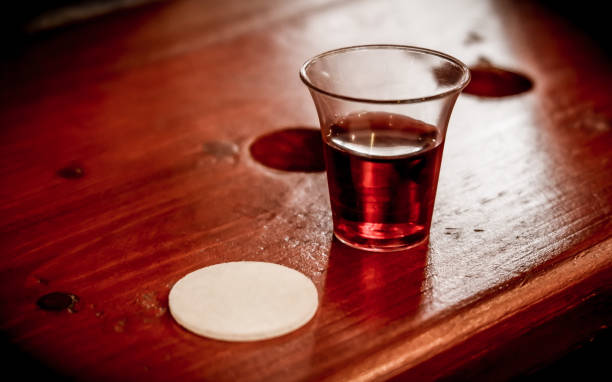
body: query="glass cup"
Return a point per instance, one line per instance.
(383, 111)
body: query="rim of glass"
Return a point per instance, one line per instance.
(456, 89)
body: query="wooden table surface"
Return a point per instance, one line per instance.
(125, 163)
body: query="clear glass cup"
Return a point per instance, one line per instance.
(383, 111)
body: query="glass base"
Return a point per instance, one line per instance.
(383, 246)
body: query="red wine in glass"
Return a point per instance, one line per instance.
(382, 171)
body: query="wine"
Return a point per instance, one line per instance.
(382, 173)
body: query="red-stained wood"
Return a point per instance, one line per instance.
(125, 163)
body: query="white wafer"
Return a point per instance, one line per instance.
(243, 301)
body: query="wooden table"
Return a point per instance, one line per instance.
(125, 164)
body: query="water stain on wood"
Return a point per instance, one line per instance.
(221, 151)
(42, 280)
(72, 171)
(472, 38)
(454, 232)
(57, 301)
(119, 326)
(150, 305)
(448, 74)
(296, 149)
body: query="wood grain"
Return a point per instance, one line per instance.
(155, 109)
